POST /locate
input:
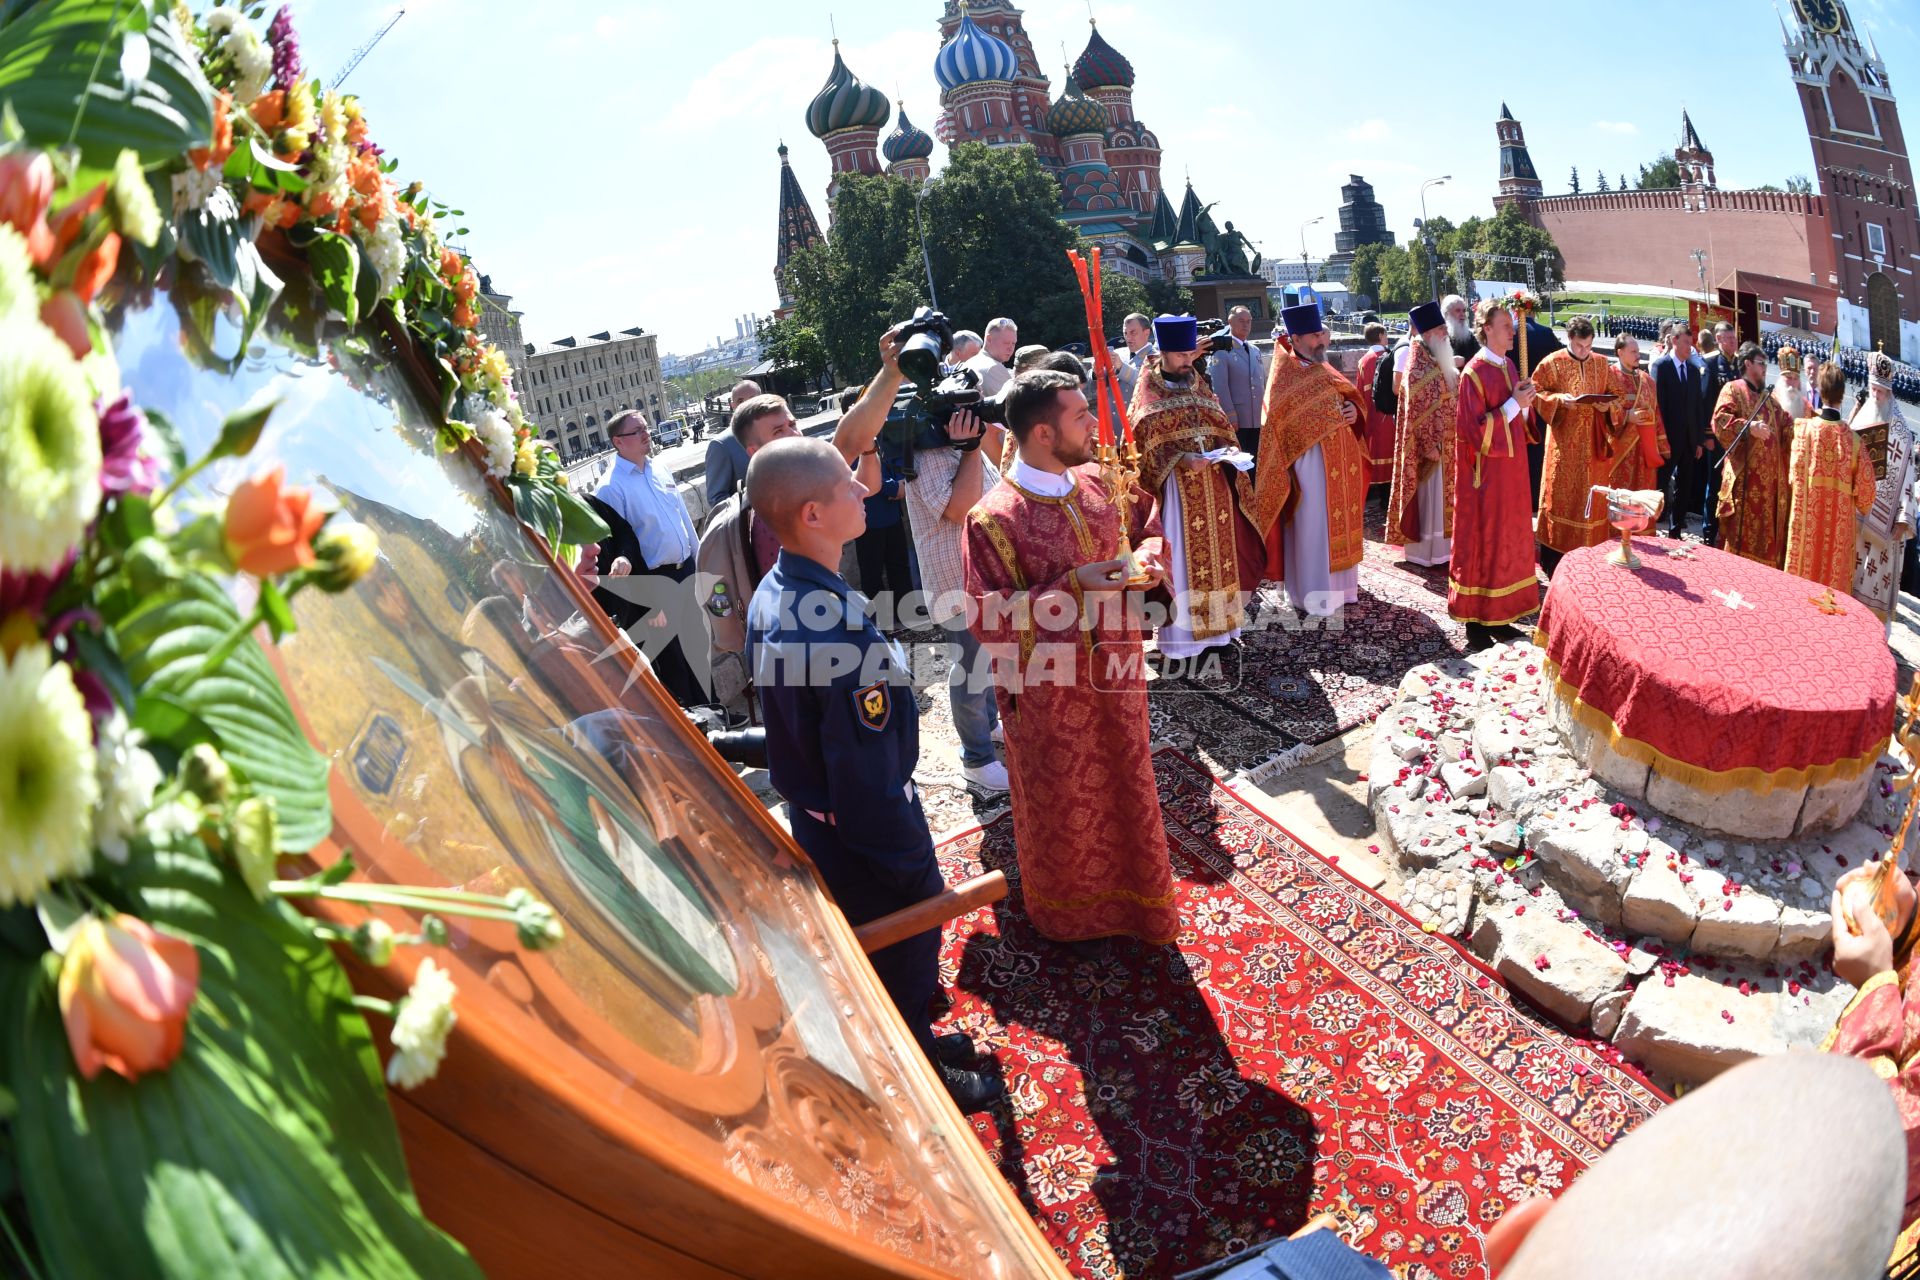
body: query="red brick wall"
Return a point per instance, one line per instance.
(1648, 237)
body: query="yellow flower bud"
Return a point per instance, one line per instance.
(347, 551)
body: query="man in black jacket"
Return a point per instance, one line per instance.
(1680, 387)
(1721, 368)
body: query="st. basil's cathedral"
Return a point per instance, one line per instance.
(992, 90)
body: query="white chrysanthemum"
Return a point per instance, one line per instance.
(128, 777)
(49, 449)
(387, 251)
(420, 1027)
(333, 119)
(496, 437)
(48, 787)
(193, 190)
(17, 296)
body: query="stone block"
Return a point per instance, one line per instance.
(1584, 858)
(1769, 816)
(1515, 797)
(1495, 742)
(1463, 780)
(1804, 933)
(1832, 805)
(1579, 970)
(1503, 838)
(1607, 1011)
(1743, 925)
(1683, 1030)
(1656, 902)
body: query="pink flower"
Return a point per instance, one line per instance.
(125, 989)
(126, 465)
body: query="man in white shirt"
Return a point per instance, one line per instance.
(966, 345)
(1003, 336)
(1239, 379)
(652, 531)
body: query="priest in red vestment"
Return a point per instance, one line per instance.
(1045, 576)
(1754, 494)
(1646, 449)
(1380, 426)
(1492, 582)
(1420, 504)
(1585, 435)
(1311, 453)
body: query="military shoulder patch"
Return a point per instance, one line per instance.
(873, 705)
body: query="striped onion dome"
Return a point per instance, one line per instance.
(845, 103)
(1075, 113)
(906, 142)
(1101, 66)
(973, 56)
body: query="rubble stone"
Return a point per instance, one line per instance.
(1578, 972)
(1684, 1030)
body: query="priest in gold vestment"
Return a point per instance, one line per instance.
(1420, 504)
(1178, 421)
(1041, 560)
(1831, 482)
(1753, 485)
(1645, 449)
(1310, 454)
(1575, 397)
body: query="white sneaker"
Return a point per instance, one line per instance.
(990, 777)
(999, 733)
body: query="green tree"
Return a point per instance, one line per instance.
(1165, 298)
(1575, 181)
(1662, 175)
(1400, 286)
(1603, 181)
(793, 345)
(1511, 235)
(1800, 184)
(1064, 316)
(840, 287)
(1363, 275)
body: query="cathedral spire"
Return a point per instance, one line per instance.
(798, 230)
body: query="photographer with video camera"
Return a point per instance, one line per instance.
(949, 452)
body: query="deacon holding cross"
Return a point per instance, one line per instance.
(1492, 582)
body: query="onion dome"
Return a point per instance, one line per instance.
(906, 142)
(845, 103)
(1075, 113)
(973, 56)
(1101, 66)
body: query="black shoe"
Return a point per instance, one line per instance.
(971, 1091)
(955, 1049)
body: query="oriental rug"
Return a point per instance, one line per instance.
(1301, 1048)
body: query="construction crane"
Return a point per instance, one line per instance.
(367, 48)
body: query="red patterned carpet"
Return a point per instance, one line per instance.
(1302, 1048)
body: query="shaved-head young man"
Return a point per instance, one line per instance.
(843, 731)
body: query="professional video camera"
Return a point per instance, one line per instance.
(1215, 336)
(919, 417)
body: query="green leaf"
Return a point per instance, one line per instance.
(535, 504)
(166, 639)
(267, 1149)
(129, 518)
(53, 69)
(213, 232)
(174, 452)
(241, 430)
(256, 288)
(579, 523)
(279, 613)
(336, 266)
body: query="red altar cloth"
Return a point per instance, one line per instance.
(1720, 671)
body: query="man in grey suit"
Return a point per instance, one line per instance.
(1239, 379)
(1680, 388)
(726, 458)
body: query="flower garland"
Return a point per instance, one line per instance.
(153, 778)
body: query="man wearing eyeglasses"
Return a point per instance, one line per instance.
(654, 533)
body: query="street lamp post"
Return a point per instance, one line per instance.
(1426, 235)
(1306, 274)
(933, 298)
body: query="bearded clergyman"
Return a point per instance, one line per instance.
(1420, 504)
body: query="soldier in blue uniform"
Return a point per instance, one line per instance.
(843, 731)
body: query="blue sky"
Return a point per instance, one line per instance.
(617, 166)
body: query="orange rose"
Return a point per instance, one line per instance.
(269, 110)
(73, 219)
(270, 525)
(97, 267)
(26, 189)
(204, 157)
(66, 315)
(125, 989)
(452, 266)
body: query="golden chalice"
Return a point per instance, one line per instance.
(1630, 511)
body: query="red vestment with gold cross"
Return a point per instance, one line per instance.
(1422, 440)
(1830, 481)
(1645, 449)
(1754, 497)
(1072, 691)
(1492, 579)
(1583, 443)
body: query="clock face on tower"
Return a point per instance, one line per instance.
(1822, 15)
